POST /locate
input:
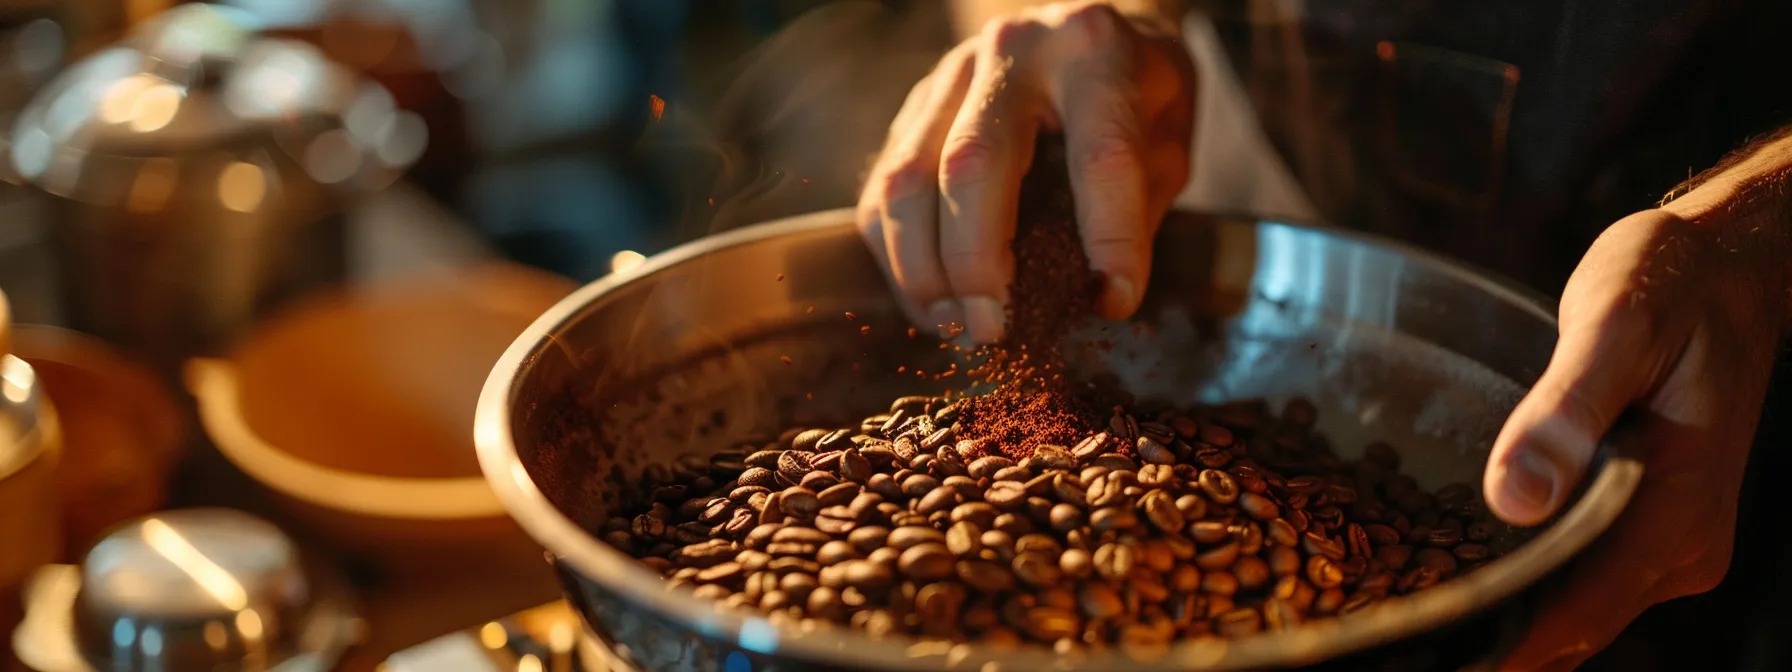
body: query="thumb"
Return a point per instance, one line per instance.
(1598, 368)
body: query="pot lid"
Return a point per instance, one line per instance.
(201, 80)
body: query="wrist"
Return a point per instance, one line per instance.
(1744, 203)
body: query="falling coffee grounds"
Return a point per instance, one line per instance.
(1033, 402)
(1050, 511)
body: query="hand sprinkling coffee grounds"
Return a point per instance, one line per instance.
(1050, 511)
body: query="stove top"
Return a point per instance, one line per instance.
(548, 638)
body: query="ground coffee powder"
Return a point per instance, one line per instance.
(1033, 402)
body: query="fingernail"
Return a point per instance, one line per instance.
(984, 318)
(1120, 296)
(1529, 484)
(947, 317)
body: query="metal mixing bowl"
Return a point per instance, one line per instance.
(745, 333)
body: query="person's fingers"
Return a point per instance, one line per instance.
(1600, 365)
(908, 178)
(985, 154)
(1096, 98)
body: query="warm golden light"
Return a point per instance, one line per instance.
(528, 663)
(145, 102)
(492, 635)
(560, 637)
(119, 103)
(249, 623)
(242, 186)
(156, 107)
(211, 578)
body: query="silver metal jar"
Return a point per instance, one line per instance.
(198, 171)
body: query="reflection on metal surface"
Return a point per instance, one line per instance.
(184, 590)
(210, 577)
(626, 260)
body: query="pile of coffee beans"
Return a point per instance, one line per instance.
(1165, 524)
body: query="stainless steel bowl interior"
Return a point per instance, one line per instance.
(746, 333)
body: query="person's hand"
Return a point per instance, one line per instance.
(1671, 320)
(938, 208)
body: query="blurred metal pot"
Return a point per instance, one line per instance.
(198, 170)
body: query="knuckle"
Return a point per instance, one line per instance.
(1011, 34)
(1093, 27)
(1109, 155)
(966, 161)
(904, 177)
(1094, 20)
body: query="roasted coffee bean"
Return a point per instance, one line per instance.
(1069, 489)
(909, 536)
(1112, 518)
(1099, 601)
(1323, 572)
(785, 565)
(939, 606)
(985, 575)
(926, 562)
(938, 438)
(1220, 583)
(1113, 561)
(793, 465)
(1394, 557)
(867, 576)
(1006, 495)
(1050, 623)
(1209, 531)
(1151, 451)
(1156, 476)
(1155, 555)
(1470, 552)
(939, 500)
(980, 513)
(840, 494)
(918, 484)
(1329, 601)
(1252, 572)
(1218, 557)
(799, 535)
(1257, 506)
(1192, 507)
(885, 556)
(799, 503)
(1114, 461)
(867, 539)
(1065, 517)
(1013, 524)
(1219, 486)
(987, 466)
(1318, 544)
(1238, 622)
(1091, 446)
(1036, 568)
(809, 439)
(1052, 457)
(836, 552)
(1437, 560)
(817, 481)
(839, 439)
(1076, 563)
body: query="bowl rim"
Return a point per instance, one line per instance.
(213, 384)
(1604, 498)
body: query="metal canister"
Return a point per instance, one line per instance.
(198, 171)
(30, 535)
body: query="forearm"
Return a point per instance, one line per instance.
(1745, 202)
(969, 16)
